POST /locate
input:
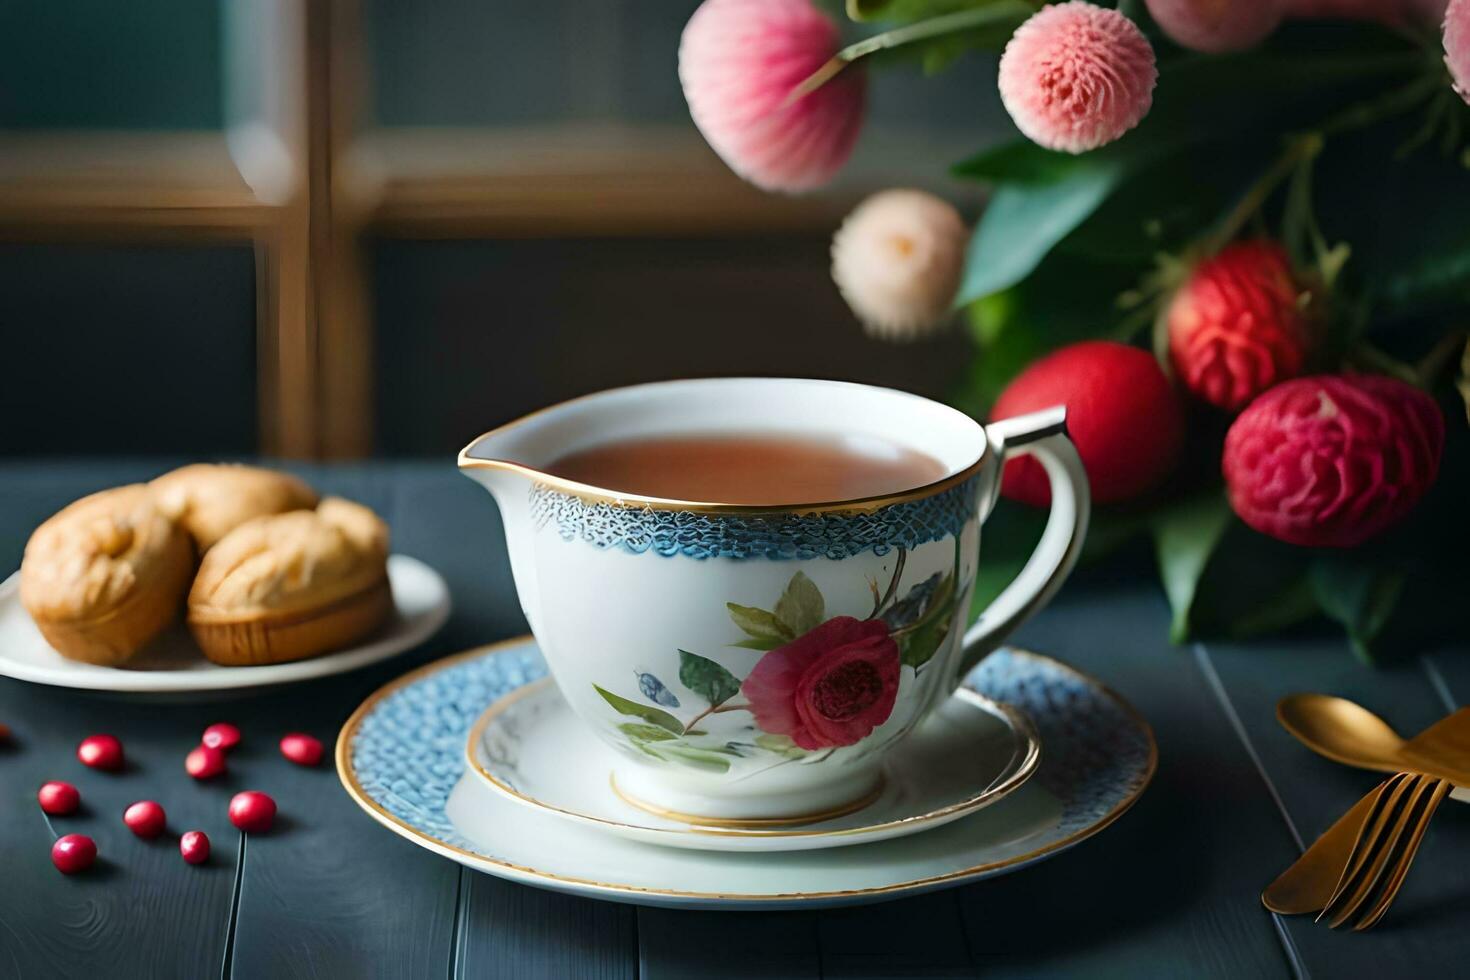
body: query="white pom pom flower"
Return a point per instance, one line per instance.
(897, 260)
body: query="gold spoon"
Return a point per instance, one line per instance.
(1348, 733)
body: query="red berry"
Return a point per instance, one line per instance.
(145, 818)
(101, 752)
(302, 749)
(1122, 414)
(194, 846)
(4, 733)
(73, 853)
(221, 735)
(1330, 461)
(204, 762)
(252, 811)
(1236, 326)
(58, 799)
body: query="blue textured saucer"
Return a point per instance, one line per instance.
(401, 757)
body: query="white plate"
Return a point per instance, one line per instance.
(969, 754)
(401, 757)
(173, 664)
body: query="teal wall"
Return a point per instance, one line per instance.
(110, 64)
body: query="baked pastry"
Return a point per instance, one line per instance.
(290, 586)
(105, 575)
(212, 499)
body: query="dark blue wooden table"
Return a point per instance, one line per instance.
(1171, 890)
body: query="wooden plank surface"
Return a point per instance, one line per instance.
(1172, 889)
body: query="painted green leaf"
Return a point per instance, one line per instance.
(1359, 596)
(919, 646)
(754, 644)
(1185, 535)
(691, 756)
(779, 744)
(759, 624)
(801, 607)
(633, 709)
(645, 733)
(706, 678)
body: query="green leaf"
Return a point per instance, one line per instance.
(755, 644)
(759, 624)
(920, 646)
(1185, 536)
(780, 744)
(645, 733)
(1020, 161)
(801, 608)
(706, 678)
(1360, 596)
(694, 757)
(1023, 222)
(650, 714)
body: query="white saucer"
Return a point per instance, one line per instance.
(969, 754)
(173, 663)
(401, 757)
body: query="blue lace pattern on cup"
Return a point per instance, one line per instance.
(782, 536)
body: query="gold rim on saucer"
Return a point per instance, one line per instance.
(348, 776)
(1017, 721)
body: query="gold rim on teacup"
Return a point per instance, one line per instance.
(594, 494)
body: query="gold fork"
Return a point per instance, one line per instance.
(1384, 850)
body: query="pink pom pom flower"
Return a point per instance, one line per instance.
(1332, 460)
(1457, 45)
(739, 61)
(1076, 76)
(1216, 26)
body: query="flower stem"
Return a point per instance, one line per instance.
(714, 709)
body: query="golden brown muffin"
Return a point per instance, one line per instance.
(212, 499)
(291, 586)
(106, 575)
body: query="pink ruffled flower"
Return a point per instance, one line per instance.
(1076, 76)
(1457, 45)
(739, 61)
(1330, 461)
(1216, 25)
(829, 687)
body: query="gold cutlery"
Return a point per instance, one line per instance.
(1354, 736)
(1382, 856)
(1363, 858)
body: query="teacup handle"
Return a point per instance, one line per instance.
(1043, 435)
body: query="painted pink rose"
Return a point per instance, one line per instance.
(829, 687)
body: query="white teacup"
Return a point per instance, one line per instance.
(752, 665)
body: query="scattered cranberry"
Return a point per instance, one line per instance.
(58, 799)
(221, 735)
(145, 818)
(194, 846)
(252, 811)
(4, 733)
(73, 853)
(101, 752)
(204, 762)
(302, 749)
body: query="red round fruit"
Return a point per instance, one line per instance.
(1122, 414)
(194, 846)
(221, 735)
(145, 818)
(101, 752)
(73, 853)
(252, 811)
(59, 799)
(1330, 461)
(204, 762)
(1236, 327)
(4, 733)
(302, 749)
